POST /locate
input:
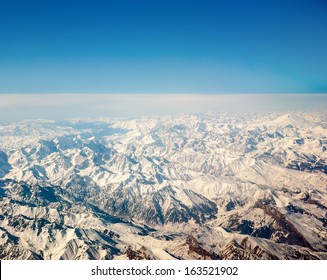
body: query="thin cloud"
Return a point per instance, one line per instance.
(15, 107)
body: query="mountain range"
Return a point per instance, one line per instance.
(188, 186)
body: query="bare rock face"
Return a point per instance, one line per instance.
(141, 254)
(194, 246)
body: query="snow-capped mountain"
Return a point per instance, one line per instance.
(196, 186)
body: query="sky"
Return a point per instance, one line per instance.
(18, 107)
(163, 46)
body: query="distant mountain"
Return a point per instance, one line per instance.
(196, 186)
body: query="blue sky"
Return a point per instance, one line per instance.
(120, 46)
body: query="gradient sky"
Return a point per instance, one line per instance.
(120, 46)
